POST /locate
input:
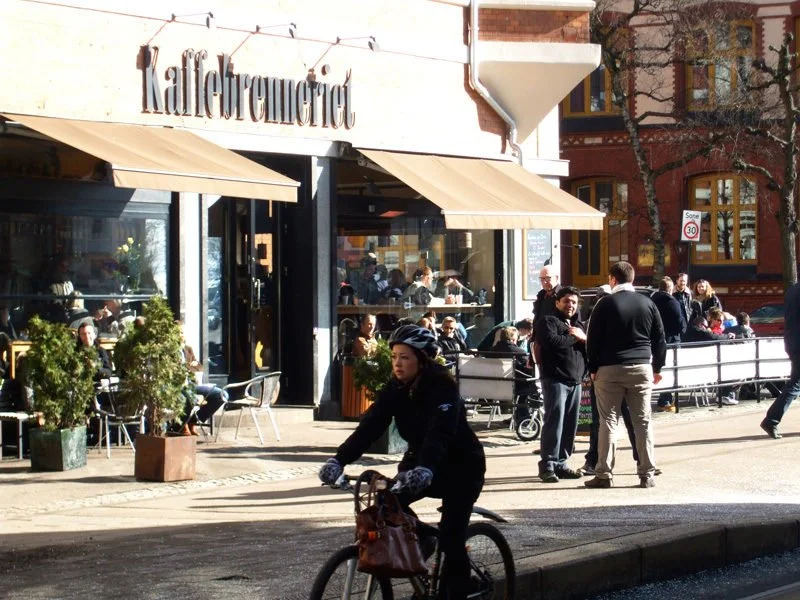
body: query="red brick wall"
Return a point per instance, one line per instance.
(616, 160)
(501, 25)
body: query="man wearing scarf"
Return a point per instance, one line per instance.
(625, 350)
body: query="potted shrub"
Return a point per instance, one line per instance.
(373, 373)
(153, 378)
(61, 376)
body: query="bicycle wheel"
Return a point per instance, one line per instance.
(491, 563)
(528, 429)
(339, 578)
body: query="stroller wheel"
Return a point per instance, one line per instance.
(529, 429)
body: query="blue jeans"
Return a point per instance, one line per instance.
(790, 391)
(561, 405)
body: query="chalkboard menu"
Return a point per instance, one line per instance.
(537, 249)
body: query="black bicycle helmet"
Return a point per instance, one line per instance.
(417, 337)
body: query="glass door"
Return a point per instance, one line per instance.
(241, 292)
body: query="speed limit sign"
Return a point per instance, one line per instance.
(690, 231)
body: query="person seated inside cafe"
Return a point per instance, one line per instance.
(421, 290)
(367, 288)
(87, 337)
(366, 344)
(396, 287)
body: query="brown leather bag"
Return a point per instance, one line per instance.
(388, 545)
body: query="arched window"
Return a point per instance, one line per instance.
(719, 63)
(600, 249)
(728, 204)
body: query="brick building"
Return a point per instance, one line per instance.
(738, 252)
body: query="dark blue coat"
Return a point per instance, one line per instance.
(671, 316)
(791, 331)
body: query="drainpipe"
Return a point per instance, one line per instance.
(475, 82)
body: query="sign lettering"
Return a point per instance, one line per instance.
(197, 88)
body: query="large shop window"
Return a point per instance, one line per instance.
(719, 63)
(728, 204)
(75, 261)
(595, 251)
(383, 261)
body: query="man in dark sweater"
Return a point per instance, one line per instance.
(674, 326)
(563, 341)
(625, 336)
(791, 341)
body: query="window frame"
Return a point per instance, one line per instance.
(712, 57)
(713, 208)
(609, 109)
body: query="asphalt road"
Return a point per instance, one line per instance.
(257, 524)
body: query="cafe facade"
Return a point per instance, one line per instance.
(269, 169)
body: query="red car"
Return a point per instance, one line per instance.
(767, 320)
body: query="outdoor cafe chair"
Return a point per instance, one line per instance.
(115, 414)
(254, 395)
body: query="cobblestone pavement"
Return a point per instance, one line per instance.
(256, 524)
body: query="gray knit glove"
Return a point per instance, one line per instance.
(417, 480)
(330, 471)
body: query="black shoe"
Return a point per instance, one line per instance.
(567, 473)
(771, 430)
(548, 477)
(657, 472)
(597, 483)
(647, 482)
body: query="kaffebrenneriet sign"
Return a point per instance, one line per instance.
(196, 87)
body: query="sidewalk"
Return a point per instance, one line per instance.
(256, 523)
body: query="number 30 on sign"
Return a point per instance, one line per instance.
(690, 229)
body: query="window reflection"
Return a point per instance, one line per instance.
(728, 233)
(403, 267)
(72, 269)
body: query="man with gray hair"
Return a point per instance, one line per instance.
(625, 350)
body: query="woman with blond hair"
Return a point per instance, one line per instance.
(704, 294)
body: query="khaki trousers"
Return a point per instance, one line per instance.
(612, 385)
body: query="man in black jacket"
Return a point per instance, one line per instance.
(563, 341)
(791, 341)
(625, 336)
(674, 321)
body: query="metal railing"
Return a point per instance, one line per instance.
(689, 367)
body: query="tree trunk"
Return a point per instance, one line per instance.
(788, 226)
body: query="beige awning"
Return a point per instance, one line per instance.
(476, 193)
(161, 158)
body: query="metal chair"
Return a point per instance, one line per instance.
(254, 395)
(115, 415)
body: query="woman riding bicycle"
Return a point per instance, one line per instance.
(444, 458)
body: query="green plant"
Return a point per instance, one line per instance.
(60, 373)
(152, 374)
(373, 372)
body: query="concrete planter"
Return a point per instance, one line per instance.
(170, 458)
(60, 450)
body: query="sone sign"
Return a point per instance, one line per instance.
(690, 229)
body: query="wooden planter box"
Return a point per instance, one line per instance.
(60, 450)
(355, 400)
(170, 458)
